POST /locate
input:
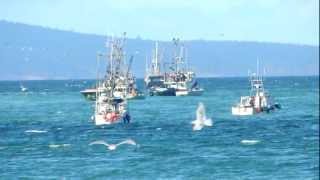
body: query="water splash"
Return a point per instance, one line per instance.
(202, 119)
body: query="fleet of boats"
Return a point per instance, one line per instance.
(112, 92)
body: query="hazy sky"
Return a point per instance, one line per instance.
(286, 21)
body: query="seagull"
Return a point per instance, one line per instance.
(201, 120)
(114, 146)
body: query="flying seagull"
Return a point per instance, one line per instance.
(114, 146)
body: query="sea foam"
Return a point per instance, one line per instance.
(58, 145)
(35, 131)
(249, 142)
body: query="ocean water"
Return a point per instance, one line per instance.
(45, 134)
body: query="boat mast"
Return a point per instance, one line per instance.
(97, 82)
(156, 58)
(155, 61)
(176, 41)
(186, 59)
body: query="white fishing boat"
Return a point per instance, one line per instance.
(125, 82)
(181, 77)
(258, 101)
(178, 80)
(154, 79)
(111, 92)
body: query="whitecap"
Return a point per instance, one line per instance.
(249, 142)
(159, 129)
(58, 145)
(35, 131)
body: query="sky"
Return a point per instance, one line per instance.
(281, 21)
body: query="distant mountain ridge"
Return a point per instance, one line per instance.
(33, 52)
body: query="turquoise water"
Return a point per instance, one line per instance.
(45, 134)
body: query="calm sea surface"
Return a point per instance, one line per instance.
(45, 134)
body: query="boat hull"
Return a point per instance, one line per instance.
(182, 92)
(137, 97)
(103, 120)
(242, 111)
(163, 92)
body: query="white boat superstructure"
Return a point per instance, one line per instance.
(244, 107)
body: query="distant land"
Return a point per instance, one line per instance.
(34, 53)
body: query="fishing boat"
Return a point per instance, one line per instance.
(258, 101)
(179, 80)
(154, 79)
(112, 91)
(125, 86)
(181, 77)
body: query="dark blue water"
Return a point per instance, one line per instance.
(45, 134)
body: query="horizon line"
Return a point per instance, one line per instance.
(201, 77)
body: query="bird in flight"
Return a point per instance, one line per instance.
(114, 146)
